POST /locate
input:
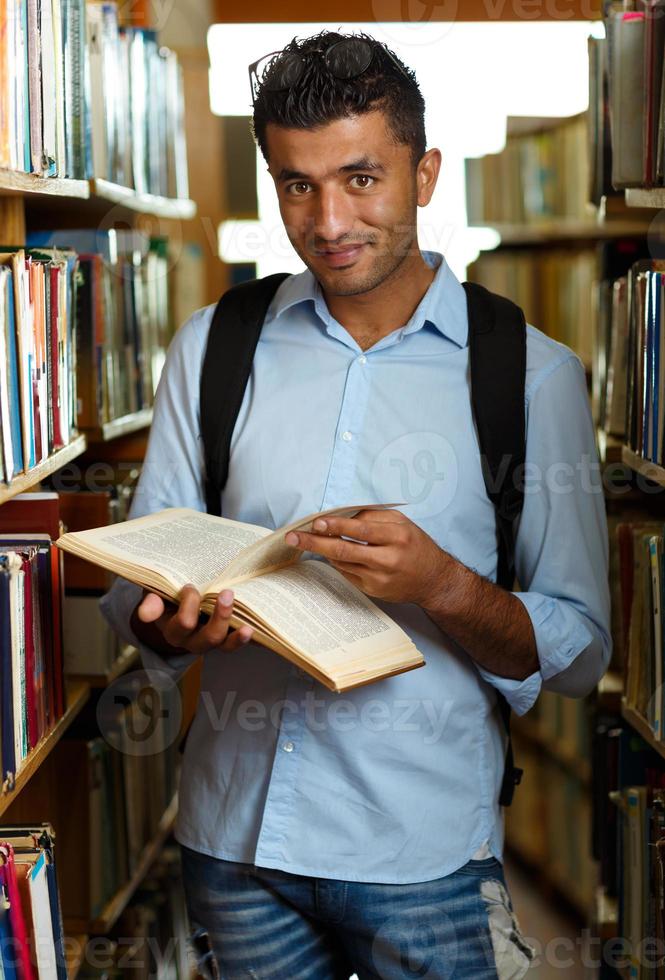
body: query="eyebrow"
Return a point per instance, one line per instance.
(363, 163)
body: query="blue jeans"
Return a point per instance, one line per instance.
(264, 924)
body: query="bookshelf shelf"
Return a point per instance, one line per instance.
(17, 183)
(128, 657)
(125, 197)
(642, 727)
(556, 749)
(26, 480)
(122, 426)
(645, 197)
(117, 904)
(563, 230)
(77, 694)
(637, 463)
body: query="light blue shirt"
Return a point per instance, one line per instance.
(397, 781)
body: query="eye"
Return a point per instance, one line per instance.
(299, 188)
(362, 181)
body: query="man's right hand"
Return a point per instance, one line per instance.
(170, 630)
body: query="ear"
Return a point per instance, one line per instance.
(427, 173)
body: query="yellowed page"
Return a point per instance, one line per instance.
(272, 552)
(322, 616)
(179, 544)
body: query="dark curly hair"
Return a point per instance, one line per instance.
(318, 97)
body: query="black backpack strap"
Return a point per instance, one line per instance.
(497, 356)
(227, 363)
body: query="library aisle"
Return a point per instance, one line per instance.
(117, 183)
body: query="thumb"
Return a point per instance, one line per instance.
(151, 608)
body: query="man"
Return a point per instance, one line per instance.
(326, 834)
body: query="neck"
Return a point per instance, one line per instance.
(370, 316)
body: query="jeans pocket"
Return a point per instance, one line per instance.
(488, 865)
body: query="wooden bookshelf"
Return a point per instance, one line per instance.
(552, 881)
(39, 472)
(645, 197)
(162, 207)
(643, 466)
(122, 426)
(563, 230)
(15, 183)
(117, 904)
(642, 727)
(77, 693)
(524, 727)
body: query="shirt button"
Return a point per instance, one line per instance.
(288, 746)
(347, 436)
(362, 359)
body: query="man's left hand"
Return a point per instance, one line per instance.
(399, 562)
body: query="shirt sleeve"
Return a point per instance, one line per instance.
(172, 472)
(561, 546)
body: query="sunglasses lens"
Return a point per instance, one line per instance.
(348, 58)
(279, 72)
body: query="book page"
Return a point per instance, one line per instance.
(183, 545)
(314, 608)
(272, 552)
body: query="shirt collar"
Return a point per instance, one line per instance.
(443, 306)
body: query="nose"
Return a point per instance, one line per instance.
(332, 216)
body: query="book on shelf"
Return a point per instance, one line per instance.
(31, 655)
(91, 647)
(122, 778)
(304, 610)
(37, 374)
(646, 355)
(541, 174)
(641, 591)
(556, 290)
(626, 69)
(31, 929)
(82, 97)
(123, 319)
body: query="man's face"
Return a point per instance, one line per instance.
(347, 195)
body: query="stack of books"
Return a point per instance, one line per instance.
(626, 70)
(31, 657)
(555, 289)
(540, 175)
(37, 355)
(82, 97)
(123, 319)
(31, 933)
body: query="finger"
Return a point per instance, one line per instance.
(332, 548)
(215, 630)
(181, 625)
(151, 608)
(362, 529)
(238, 638)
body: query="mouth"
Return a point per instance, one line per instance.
(338, 258)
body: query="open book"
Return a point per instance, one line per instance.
(304, 610)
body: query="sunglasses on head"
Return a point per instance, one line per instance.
(278, 71)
